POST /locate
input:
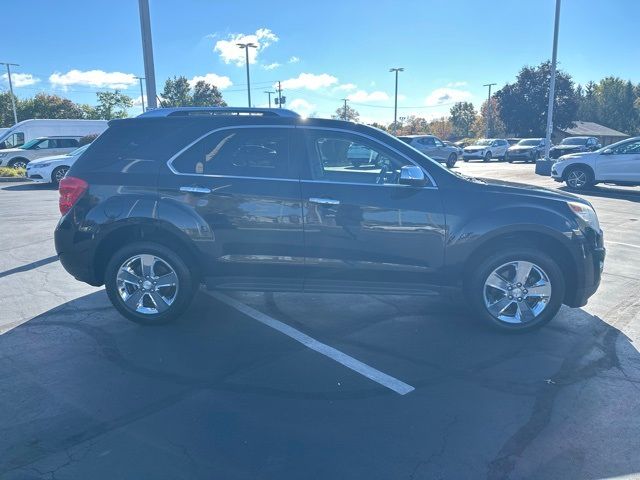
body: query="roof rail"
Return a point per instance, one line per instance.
(210, 111)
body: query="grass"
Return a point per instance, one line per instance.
(12, 172)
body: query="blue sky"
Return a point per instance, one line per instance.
(321, 51)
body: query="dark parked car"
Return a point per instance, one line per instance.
(527, 150)
(251, 199)
(574, 145)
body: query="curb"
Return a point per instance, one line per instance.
(13, 179)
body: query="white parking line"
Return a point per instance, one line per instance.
(371, 373)
(622, 243)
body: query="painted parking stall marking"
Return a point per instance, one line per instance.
(348, 361)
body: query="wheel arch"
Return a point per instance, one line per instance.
(573, 166)
(15, 159)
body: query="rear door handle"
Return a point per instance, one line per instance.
(324, 201)
(195, 189)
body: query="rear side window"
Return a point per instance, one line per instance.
(239, 152)
(67, 143)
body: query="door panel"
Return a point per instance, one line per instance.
(623, 164)
(248, 229)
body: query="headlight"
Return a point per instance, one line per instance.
(40, 165)
(586, 213)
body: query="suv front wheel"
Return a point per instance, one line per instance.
(516, 290)
(148, 283)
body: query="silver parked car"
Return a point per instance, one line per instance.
(433, 147)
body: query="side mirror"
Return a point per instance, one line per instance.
(412, 175)
(607, 151)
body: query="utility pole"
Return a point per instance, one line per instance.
(489, 109)
(395, 108)
(141, 93)
(13, 100)
(279, 95)
(246, 47)
(147, 53)
(344, 111)
(269, 93)
(552, 82)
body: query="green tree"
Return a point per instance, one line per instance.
(523, 104)
(6, 110)
(463, 114)
(111, 105)
(348, 113)
(615, 104)
(178, 93)
(48, 106)
(206, 95)
(441, 128)
(480, 127)
(587, 103)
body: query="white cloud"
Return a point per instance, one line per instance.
(346, 87)
(446, 95)
(301, 106)
(294, 59)
(271, 66)
(310, 81)
(231, 53)
(456, 84)
(219, 81)
(362, 96)
(93, 78)
(20, 79)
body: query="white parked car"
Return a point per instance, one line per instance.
(617, 164)
(485, 149)
(37, 148)
(53, 169)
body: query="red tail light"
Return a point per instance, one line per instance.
(71, 189)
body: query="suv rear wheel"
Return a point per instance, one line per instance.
(517, 290)
(148, 283)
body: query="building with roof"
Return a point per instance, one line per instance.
(605, 135)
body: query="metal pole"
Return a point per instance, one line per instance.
(246, 51)
(13, 99)
(279, 95)
(141, 93)
(488, 133)
(147, 53)
(269, 93)
(344, 111)
(552, 83)
(395, 108)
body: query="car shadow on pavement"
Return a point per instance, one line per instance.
(86, 394)
(607, 192)
(25, 187)
(29, 266)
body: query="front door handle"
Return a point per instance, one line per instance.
(195, 189)
(324, 201)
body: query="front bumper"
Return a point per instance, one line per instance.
(472, 155)
(589, 259)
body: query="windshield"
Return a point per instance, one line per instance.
(31, 143)
(78, 151)
(573, 141)
(530, 142)
(484, 141)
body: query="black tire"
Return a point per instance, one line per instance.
(487, 157)
(451, 161)
(466, 160)
(476, 287)
(186, 284)
(58, 174)
(18, 163)
(578, 178)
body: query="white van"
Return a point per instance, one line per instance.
(27, 130)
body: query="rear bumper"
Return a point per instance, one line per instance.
(74, 254)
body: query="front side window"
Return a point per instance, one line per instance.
(438, 143)
(14, 140)
(241, 152)
(331, 159)
(428, 141)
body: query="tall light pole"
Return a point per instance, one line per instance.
(552, 83)
(489, 109)
(344, 111)
(269, 93)
(395, 108)
(246, 47)
(147, 53)
(13, 100)
(141, 93)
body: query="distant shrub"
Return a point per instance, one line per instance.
(88, 139)
(12, 172)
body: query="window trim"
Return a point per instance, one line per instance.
(212, 175)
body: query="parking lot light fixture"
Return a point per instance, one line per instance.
(246, 47)
(489, 109)
(552, 82)
(395, 108)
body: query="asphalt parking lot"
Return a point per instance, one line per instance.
(278, 386)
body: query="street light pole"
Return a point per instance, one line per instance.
(147, 53)
(395, 108)
(344, 111)
(141, 93)
(269, 93)
(246, 47)
(489, 109)
(13, 100)
(552, 83)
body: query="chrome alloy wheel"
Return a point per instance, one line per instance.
(576, 179)
(147, 284)
(517, 292)
(59, 173)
